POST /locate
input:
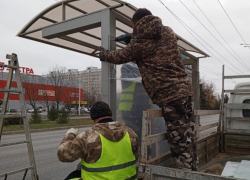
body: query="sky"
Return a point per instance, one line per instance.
(15, 14)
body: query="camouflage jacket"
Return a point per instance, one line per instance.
(154, 49)
(87, 145)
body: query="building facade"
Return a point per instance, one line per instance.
(89, 79)
(42, 91)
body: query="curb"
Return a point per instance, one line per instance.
(44, 129)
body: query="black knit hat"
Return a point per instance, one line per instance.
(140, 13)
(100, 109)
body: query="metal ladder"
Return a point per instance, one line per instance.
(13, 66)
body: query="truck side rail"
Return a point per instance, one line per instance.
(160, 173)
(198, 113)
(148, 139)
(236, 132)
(228, 120)
(206, 147)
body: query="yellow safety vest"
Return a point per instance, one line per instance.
(127, 98)
(117, 162)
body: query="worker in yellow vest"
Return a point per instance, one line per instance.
(107, 151)
(134, 99)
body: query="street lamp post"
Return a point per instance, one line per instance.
(79, 102)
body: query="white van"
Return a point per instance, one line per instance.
(240, 98)
(241, 115)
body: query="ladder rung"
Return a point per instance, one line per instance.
(13, 143)
(8, 66)
(10, 90)
(12, 116)
(16, 171)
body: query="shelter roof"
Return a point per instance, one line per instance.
(87, 41)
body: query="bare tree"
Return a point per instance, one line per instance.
(67, 100)
(91, 98)
(31, 86)
(58, 81)
(209, 99)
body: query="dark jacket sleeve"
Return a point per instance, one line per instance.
(120, 56)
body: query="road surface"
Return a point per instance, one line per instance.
(45, 147)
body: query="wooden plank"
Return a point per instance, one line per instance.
(156, 138)
(200, 145)
(209, 126)
(212, 146)
(206, 152)
(245, 131)
(237, 141)
(154, 113)
(206, 137)
(159, 172)
(144, 135)
(237, 137)
(240, 91)
(236, 150)
(237, 118)
(202, 161)
(160, 158)
(211, 140)
(201, 156)
(206, 112)
(244, 146)
(202, 151)
(213, 153)
(237, 106)
(236, 77)
(236, 134)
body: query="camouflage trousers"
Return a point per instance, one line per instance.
(180, 128)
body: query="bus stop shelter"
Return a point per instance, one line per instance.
(84, 26)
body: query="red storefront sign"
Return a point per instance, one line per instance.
(39, 93)
(22, 69)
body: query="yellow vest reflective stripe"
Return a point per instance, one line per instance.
(117, 161)
(127, 98)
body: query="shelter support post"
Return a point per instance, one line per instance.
(194, 62)
(196, 90)
(108, 26)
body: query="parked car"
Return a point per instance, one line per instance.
(84, 110)
(30, 110)
(41, 108)
(13, 112)
(73, 111)
(60, 110)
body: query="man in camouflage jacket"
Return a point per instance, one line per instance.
(88, 145)
(154, 49)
